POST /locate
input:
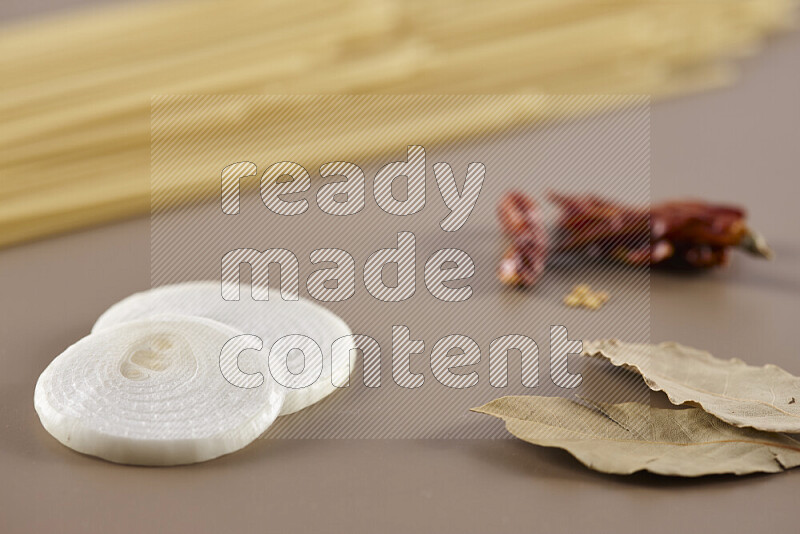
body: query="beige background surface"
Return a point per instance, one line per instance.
(738, 145)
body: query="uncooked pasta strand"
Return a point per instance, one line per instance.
(75, 90)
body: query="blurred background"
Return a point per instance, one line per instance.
(77, 77)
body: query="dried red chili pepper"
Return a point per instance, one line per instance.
(602, 228)
(675, 234)
(526, 258)
(523, 263)
(701, 234)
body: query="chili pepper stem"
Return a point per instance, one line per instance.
(754, 243)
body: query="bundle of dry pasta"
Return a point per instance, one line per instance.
(75, 91)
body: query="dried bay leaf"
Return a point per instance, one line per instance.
(681, 442)
(765, 398)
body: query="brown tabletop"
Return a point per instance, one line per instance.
(738, 145)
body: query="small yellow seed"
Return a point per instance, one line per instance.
(582, 289)
(583, 296)
(592, 303)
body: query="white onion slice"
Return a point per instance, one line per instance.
(270, 320)
(150, 392)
